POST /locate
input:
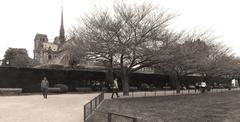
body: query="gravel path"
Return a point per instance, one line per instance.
(33, 108)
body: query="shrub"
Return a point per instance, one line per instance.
(63, 87)
(144, 86)
(152, 87)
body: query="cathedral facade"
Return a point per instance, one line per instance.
(46, 52)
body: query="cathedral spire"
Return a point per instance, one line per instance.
(62, 32)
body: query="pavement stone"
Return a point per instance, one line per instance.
(34, 108)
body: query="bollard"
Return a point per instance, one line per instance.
(91, 106)
(109, 117)
(84, 114)
(95, 102)
(99, 100)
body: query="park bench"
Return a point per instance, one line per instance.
(165, 88)
(54, 90)
(10, 91)
(133, 88)
(84, 89)
(191, 87)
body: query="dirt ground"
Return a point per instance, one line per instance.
(33, 108)
(207, 107)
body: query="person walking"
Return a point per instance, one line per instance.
(44, 87)
(196, 87)
(115, 88)
(203, 86)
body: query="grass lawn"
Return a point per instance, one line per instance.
(207, 107)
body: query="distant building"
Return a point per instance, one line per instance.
(53, 53)
(46, 52)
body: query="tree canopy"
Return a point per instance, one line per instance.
(132, 37)
(17, 57)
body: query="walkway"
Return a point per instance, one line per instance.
(33, 108)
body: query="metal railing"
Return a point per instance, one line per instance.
(169, 92)
(113, 117)
(92, 105)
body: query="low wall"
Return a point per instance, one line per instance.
(29, 79)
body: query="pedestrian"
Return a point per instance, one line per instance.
(115, 87)
(196, 87)
(203, 86)
(44, 87)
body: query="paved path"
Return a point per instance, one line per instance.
(33, 108)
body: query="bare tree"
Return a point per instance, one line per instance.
(129, 38)
(200, 56)
(186, 56)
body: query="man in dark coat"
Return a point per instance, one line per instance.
(44, 87)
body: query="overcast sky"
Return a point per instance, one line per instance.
(21, 19)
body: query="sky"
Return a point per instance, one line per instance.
(21, 20)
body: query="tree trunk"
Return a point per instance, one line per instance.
(109, 76)
(175, 80)
(125, 83)
(178, 85)
(229, 84)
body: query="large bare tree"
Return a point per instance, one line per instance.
(129, 38)
(185, 58)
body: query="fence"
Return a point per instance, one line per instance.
(101, 116)
(92, 105)
(168, 92)
(115, 117)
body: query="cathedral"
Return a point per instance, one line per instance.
(46, 52)
(56, 53)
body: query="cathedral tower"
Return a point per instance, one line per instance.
(39, 41)
(62, 32)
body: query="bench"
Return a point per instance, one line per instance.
(133, 88)
(166, 87)
(54, 90)
(84, 89)
(10, 91)
(191, 87)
